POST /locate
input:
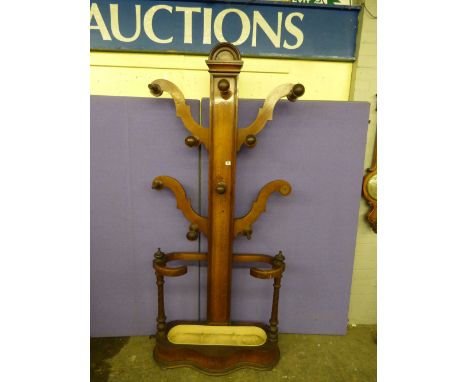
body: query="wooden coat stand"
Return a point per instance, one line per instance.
(218, 345)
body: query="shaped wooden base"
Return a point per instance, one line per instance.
(215, 359)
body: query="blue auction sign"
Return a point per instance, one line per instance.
(258, 29)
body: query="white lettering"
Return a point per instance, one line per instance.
(218, 25)
(100, 24)
(188, 22)
(148, 24)
(207, 16)
(291, 38)
(294, 30)
(259, 21)
(114, 12)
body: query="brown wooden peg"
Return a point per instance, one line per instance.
(193, 232)
(157, 184)
(223, 86)
(250, 141)
(221, 188)
(247, 233)
(155, 89)
(192, 141)
(297, 91)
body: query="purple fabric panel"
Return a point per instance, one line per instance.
(132, 141)
(319, 148)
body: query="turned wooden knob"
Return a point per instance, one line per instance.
(247, 233)
(250, 140)
(157, 184)
(221, 188)
(193, 232)
(297, 91)
(223, 85)
(192, 235)
(155, 89)
(192, 141)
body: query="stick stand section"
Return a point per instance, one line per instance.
(219, 346)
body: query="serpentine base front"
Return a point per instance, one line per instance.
(216, 357)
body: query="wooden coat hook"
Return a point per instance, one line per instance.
(219, 345)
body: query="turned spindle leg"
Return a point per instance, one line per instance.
(161, 327)
(277, 262)
(273, 335)
(159, 259)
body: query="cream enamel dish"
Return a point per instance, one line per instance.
(217, 335)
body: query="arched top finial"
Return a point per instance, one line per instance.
(224, 51)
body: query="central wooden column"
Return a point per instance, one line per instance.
(224, 66)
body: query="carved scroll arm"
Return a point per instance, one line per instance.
(200, 133)
(244, 224)
(183, 203)
(247, 134)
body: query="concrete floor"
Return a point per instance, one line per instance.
(311, 358)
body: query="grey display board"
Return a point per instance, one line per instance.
(317, 146)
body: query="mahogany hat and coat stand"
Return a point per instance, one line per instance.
(218, 345)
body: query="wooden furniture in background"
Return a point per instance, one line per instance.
(219, 345)
(369, 189)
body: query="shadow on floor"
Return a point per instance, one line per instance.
(102, 350)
